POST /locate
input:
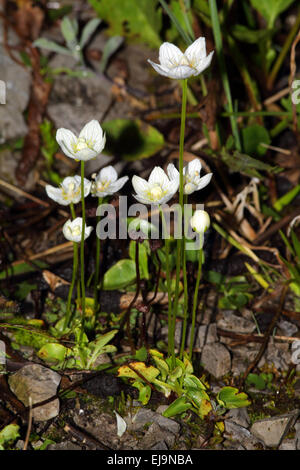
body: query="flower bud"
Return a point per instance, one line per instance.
(200, 221)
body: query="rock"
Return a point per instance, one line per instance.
(229, 445)
(17, 81)
(239, 416)
(287, 328)
(241, 435)
(278, 354)
(144, 416)
(155, 435)
(272, 430)
(231, 322)
(288, 444)
(40, 383)
(66, 445)
(216, 359)
(204, 334)
(160, 446)
(161, 409)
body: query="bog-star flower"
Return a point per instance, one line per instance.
(72, 230)
(191, 176)
(88, 145)
(107, 183)
(179, 65)
(200, 221)
(157, 190)
(69, 191)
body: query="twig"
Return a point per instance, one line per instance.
(85, 437)
(29, 423)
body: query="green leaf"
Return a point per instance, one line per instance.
(149, 372)
(271, 9)
(143, 258)
(141, 354)
(54, 353)
(132, 139)
(144, 392)
(296, 243)
(88, 31)
(180, 405)
(257, 381)
(286, 199)
(120, 275)
(44, 43)
(111, 46)
(138, 20)
(250, 36)
(242, 163)
(69, 29)
(22, 268)
(9, 434)
(231, 398)
(252, 137)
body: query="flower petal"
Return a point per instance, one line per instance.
(66, 140)
(108, 174)
(117, 185)
(194, 167)
(181, 72)
(204, 181)
(139, 185)
(56, 195)
(93, 134)
(158, 176)
(142, 199)
(172, 171)
(205, 63)
(196, 51)
(85, 154)
(159, 69)
(169, 55)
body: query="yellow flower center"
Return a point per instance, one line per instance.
(76, 231)
(82, 144)
(156, 193)
(68, 193)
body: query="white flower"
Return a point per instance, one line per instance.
(107, 182)
(72, 230)
(191, 176)
(89, 144)
(175, 64)
(200, 221)
(157, 190)
(69, 191)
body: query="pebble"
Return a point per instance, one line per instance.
(40, 383)
(272, 430)
(216, 359)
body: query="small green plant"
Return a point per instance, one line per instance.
(192, 392)
(8, 435)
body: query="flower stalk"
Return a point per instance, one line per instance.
(97, 265)
(82, 252)
(74, 274)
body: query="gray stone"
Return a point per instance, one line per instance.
(239, 416)
(241, 435)
(216, 359)
(66, 445)
(40, 383)
(145, 416)
(231, 322)
(288, 444)
(156, 434)
(272, 430)
(278, 354)
(17, 81)
(287, 328)
(160, 446)
(161, 409)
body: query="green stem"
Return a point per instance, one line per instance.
(195, 303)
(73, 214)
(74, 274)
(168, 274)
(284, 51)
(82, 252)
(185, 290)
(222, 65)
(179, 241)
(97, 267)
